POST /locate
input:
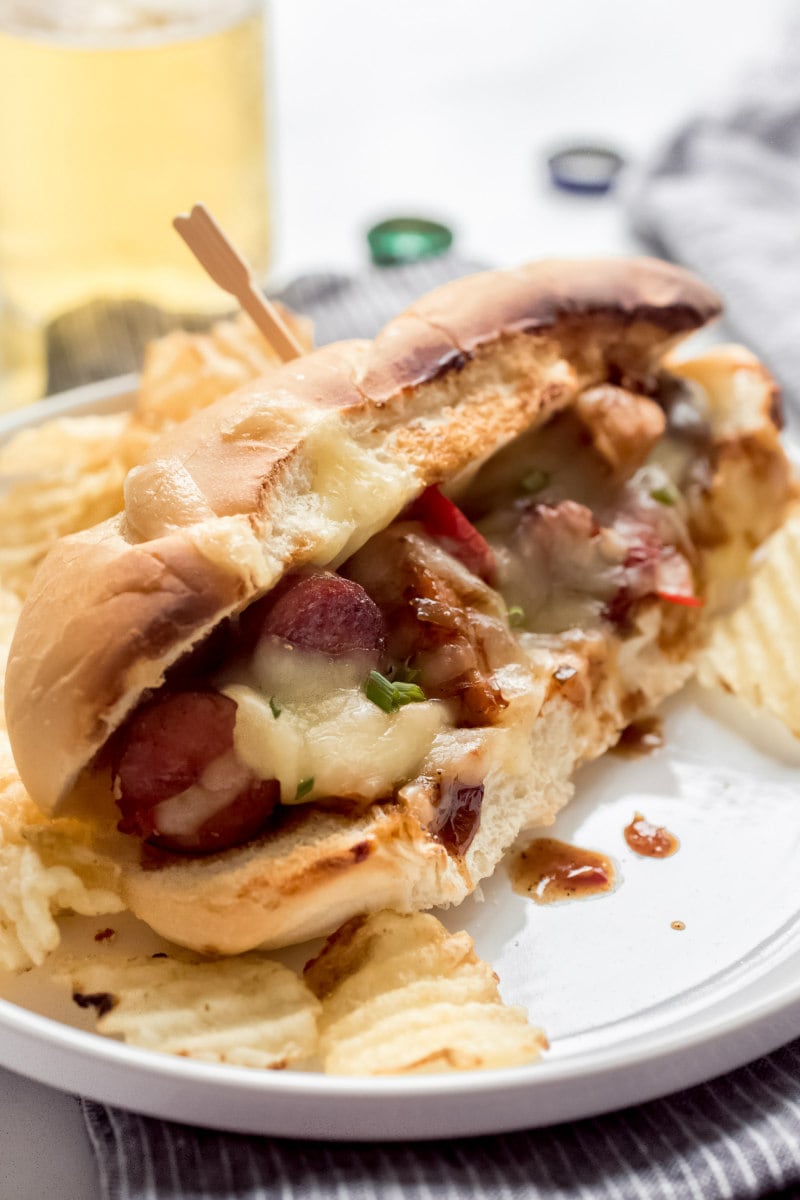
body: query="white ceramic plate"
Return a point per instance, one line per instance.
(634, 1008)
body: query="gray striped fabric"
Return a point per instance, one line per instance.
(738, 1137)
(345, 306)
(723, 197)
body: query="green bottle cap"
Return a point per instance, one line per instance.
(407, 239)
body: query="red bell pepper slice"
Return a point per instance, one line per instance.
(444, 521)
(675, 579)
(681, 598)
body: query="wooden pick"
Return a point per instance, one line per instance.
(228, 269)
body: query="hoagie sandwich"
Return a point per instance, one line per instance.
(358, 624)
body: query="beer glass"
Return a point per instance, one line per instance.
(114, 116)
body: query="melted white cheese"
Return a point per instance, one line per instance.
(291, 674)
(343, 742)
(184, 814)
(352, 492)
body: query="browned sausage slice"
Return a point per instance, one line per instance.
(181, 785)
(169, 743)
(323, 612)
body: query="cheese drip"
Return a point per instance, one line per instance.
(343, 743)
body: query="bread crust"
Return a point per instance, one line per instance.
(211, 518)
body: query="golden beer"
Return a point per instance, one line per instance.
(114, 116)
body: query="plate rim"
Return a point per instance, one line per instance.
(660, 1043)
(106, 395)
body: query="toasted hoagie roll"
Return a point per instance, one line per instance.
(358, 624)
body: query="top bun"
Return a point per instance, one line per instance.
(303, 468)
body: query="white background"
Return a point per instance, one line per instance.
(443, 108)
(448, 107)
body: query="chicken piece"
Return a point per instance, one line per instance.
(624, 427)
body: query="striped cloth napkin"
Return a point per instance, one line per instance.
(723, 197)
(736, 1137)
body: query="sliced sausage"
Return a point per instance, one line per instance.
(321, 612)
(181, 785)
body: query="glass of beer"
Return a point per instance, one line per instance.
(114, 116)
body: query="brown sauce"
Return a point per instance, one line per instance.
(651, 841)
(458, 814)
(548, 870)
(640, 737)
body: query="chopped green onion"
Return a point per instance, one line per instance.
(403, 673)
(276, 708)
(408, 693)
(535, 481)
(304, 787)
(380, 691)
(664, 495)
(390, 696)
(516, 616)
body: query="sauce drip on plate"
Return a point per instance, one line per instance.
(651, 841)
(640, 738)
(547, 870)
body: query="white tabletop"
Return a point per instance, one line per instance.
(443, 109)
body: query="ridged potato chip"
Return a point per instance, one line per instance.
(402, 995)
(248, 1011)
(33, 893)
(754, 652)
(187, 371)
(68, 473)
(57, 478)
(45, 866)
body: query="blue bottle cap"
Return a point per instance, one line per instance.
(589, 170)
